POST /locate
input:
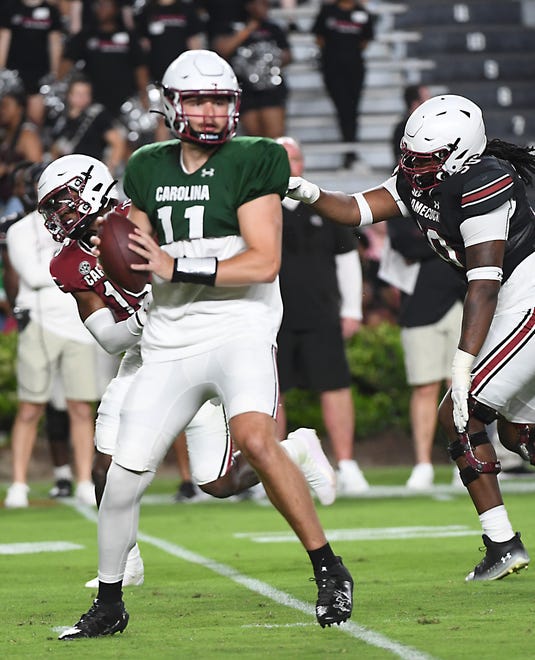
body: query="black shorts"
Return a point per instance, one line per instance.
(312, 359)
(268, 98)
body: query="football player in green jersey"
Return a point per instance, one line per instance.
(207, 206)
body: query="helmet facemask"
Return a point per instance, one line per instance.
(424, 170)
(67, 214)
(178, 118)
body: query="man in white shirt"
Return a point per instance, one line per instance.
(52, 341)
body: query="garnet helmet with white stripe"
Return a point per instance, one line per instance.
(440, 136)
(197, 73)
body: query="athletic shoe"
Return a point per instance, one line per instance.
(335, 594)
(500, 560)
(85, 493)
(314, 465)
(421, 478)
(62, 488)
(134, 572)
(101, 619)
(17, 496)
(350, 480)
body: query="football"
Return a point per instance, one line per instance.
(115, 255)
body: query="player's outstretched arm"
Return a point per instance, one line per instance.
(358, 209)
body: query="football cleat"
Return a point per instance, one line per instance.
(500, 560)
(101, 619)
(335, 594)
(314, 465)
(62, 488)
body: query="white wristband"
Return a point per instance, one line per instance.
(366, 215)
(462, 363)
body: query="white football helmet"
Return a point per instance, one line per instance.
(71, 191)
(197, 72)
(440, 136)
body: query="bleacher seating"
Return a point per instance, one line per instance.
(483, 50)
(477, 48)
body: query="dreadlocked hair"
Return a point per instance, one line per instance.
(522, 158)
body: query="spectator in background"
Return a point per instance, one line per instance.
(168, 28)
(87, 128)
(31, 43)
(258, 50)
(219, 12)
(113, 58)
(81, 14)
(343, 29)
(52, 340)
(19, 140)
(321, 288)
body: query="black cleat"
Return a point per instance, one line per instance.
(335, 594)
(62, 488)
(500, 560)
(101, 619)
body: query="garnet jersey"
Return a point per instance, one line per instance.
(486, 185)
(75, 269)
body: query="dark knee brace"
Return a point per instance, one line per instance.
(464, 446)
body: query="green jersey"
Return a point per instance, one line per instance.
(195, 215)
(203, 204)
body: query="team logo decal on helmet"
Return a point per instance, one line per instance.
(440, 136)
(71, 191)
(198, 73)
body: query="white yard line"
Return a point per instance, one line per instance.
(280, 597)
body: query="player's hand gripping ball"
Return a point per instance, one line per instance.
(115, 255)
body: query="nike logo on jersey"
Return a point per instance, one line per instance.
(182, 193)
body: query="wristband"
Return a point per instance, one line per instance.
(195, 270)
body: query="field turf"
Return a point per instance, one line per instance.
(229, 580)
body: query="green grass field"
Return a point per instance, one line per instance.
(228, 580)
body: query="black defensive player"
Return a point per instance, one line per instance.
(468, 198)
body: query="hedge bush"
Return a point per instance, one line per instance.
(379, 387)
(8, 379)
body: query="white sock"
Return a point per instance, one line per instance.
(496, 525)
(63, 472)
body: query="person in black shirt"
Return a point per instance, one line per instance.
(87, 128)
(321, 288)
(343, 29)
(31, 43)
(113, 58)
(258, 50)
(169, 27)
